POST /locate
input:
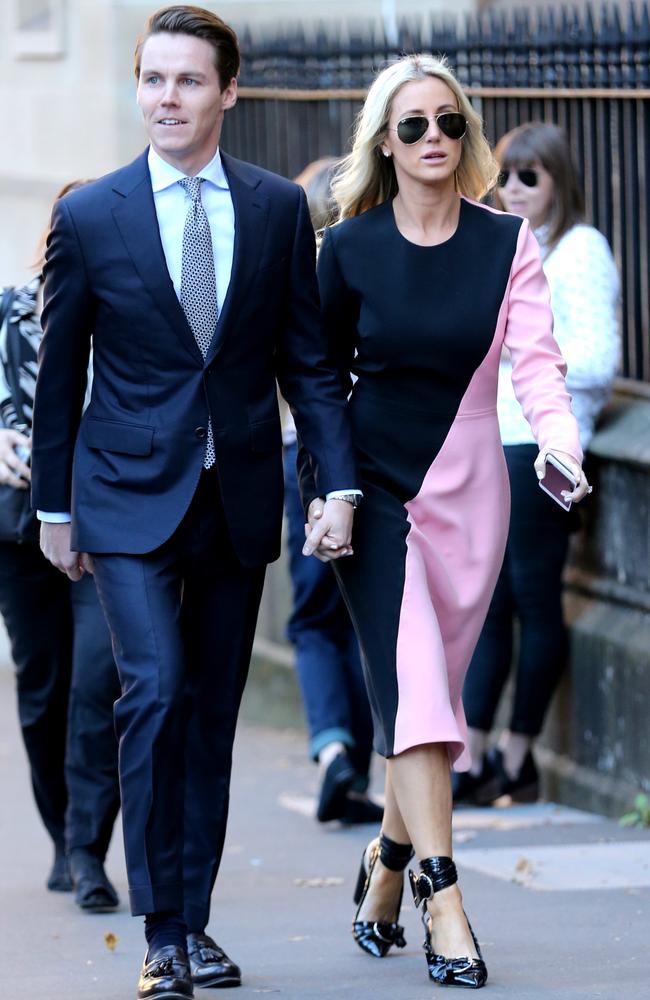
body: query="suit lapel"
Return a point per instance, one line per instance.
(135, 217)
(251, 215)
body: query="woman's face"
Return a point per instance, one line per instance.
(533, 201)
(434, 158)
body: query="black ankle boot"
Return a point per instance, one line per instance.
(377, 937)
(439, 873)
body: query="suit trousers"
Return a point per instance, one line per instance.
(66, 685)
(183, 619)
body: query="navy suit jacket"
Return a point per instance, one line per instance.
(127, 468)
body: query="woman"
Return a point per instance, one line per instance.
(420, 288)
(65, 673)
(539, 181)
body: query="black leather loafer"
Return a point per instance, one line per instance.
(93, 891)
(165, 975)
(209, 964)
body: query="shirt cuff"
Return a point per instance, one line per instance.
(335, 494)
(56, 518)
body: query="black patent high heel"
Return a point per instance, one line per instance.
(439, 873)
(376, 937)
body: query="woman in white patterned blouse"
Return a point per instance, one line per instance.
(538, 180)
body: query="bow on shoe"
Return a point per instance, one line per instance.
(457, 971)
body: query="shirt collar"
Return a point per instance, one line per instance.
(163, 175)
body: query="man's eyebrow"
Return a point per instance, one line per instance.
(151, 71)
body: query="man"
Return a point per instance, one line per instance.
(194, 275)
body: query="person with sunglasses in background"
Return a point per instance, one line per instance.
(420, 287)
(538, 181)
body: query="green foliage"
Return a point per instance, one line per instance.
(640, 815)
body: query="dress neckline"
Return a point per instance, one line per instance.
(427, 246)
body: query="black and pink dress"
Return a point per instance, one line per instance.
(423, 328)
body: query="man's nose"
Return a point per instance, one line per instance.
(170, 95)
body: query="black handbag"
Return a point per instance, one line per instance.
(18, 522)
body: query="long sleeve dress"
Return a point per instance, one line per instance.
(422, 329)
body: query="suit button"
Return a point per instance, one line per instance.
(201, 432)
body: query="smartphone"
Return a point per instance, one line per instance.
(556, 479)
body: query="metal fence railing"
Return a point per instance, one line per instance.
(587, 70)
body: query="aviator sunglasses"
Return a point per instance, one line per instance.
(528, 177)
(451, 123)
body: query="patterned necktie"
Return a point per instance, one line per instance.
(198, 283)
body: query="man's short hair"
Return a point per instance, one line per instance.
(200, 23)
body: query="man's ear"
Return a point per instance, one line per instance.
(229, 95)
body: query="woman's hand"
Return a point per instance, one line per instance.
(13, 471)
(329, 529)
(582, 486)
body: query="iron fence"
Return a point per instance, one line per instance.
(588, 70)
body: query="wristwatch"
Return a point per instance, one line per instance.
(353, 498)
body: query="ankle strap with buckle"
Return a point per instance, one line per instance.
(436, 873)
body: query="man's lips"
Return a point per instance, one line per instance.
(171, 121)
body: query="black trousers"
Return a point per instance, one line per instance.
(529, 589)
(64, 669)
(183, 619)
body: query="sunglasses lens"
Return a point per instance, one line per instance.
(452, 124)
(411, 130)
(528, 177)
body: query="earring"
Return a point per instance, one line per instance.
(386, 152)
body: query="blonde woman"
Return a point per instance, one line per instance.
(421, 286)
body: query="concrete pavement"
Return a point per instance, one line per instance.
(560, 900)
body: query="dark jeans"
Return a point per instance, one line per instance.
(529, 589)
(327, 654)
(64, 666)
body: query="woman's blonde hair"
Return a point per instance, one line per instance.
(367, 177)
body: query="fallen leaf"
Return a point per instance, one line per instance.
(110, 940)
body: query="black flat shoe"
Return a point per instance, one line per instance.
(476, 789)
(361, 810)
(439, 873)
(209, 964)
(59, 879)
(524, 787)
(376, 937)
(165, 975)
(337, 781)
(93, 890)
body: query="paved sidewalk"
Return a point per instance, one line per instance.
(560, 900)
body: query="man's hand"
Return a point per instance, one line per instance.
(13, 471)
(329, 529)
(55, 546)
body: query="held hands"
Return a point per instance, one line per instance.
(329, 529)
(582, 486)
(13, 470)
(55, 546)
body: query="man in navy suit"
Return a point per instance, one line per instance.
(193, 273)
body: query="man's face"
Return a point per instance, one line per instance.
(179, 94)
